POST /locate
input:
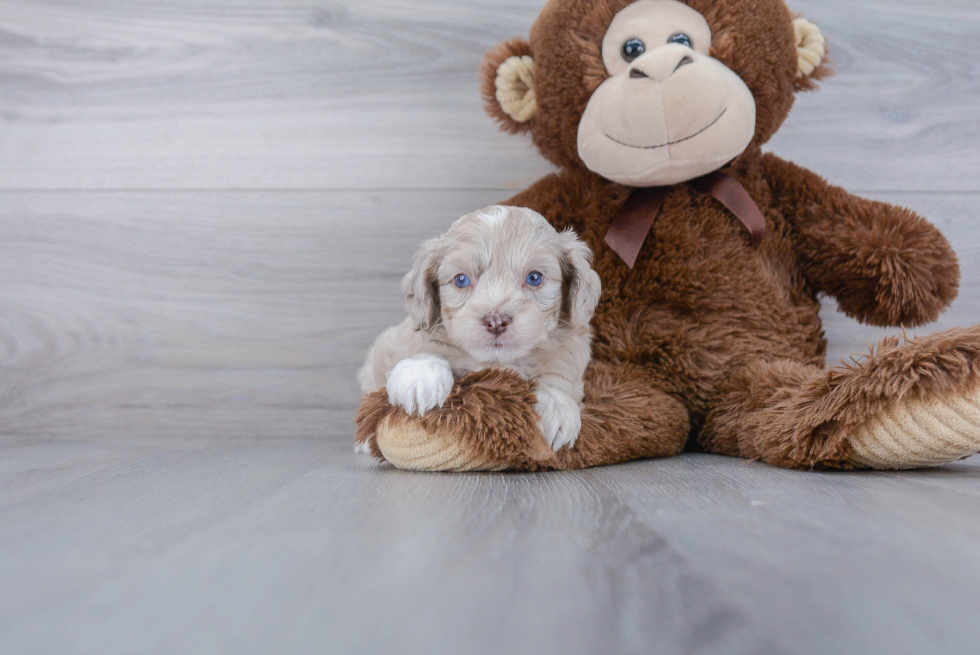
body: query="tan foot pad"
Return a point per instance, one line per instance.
(919, 434)
(413, 449)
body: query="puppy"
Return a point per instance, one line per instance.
(500, 289)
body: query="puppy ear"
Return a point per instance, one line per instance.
(507, 77)
(581, 286)
(811, 55)
(421, 285)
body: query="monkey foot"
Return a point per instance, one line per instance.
(488, 423)
(919, 433)
(407, 446)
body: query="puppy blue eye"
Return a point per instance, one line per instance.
(683, 39)
(633, 49)
(534, 279)
(462, 281)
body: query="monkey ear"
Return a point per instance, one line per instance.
(581, 286)
(811, 55)
(508, 85)
(421, 285)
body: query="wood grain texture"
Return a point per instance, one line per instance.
(205, 211)
(384, 94)
(164, 315)
(147, 316)
(306, 548)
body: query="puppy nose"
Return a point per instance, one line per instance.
(496, 323)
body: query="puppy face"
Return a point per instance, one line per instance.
(500, 282)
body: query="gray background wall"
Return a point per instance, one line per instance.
(205, 205)
(205, 209)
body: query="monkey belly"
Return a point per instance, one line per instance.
(694, 310)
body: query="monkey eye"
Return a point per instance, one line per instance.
(683, 39)
(534, 279)
(633, 49)
(462, 281)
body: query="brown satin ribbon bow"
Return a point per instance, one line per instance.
(630, 229)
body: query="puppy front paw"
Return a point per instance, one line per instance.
(419, 384)
(561, 419)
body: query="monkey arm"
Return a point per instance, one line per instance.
(885, 265)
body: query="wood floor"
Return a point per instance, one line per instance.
(205, 209)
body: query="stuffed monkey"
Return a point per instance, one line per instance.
(712, 257)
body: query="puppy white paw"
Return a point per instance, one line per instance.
(561, 419)
(419, 384)
(363, 448)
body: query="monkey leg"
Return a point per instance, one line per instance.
(625, 418)
(489, 424)
(907, 405)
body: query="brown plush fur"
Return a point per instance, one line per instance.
(755, 38)
(707, 335)
(798, 416)
(492, 411)
(488, 75)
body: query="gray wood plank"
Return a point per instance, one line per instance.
(865, 563)
(179, 316)
(135, 316)
(261, 547)
(383, 94)
(900, 115)
(176, 368)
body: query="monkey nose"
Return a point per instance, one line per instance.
(496, 324)
(683, 62)
(658, 66)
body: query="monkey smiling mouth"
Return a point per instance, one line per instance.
(671, 143)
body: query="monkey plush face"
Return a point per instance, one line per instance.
(669, 112)
(653, 92)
